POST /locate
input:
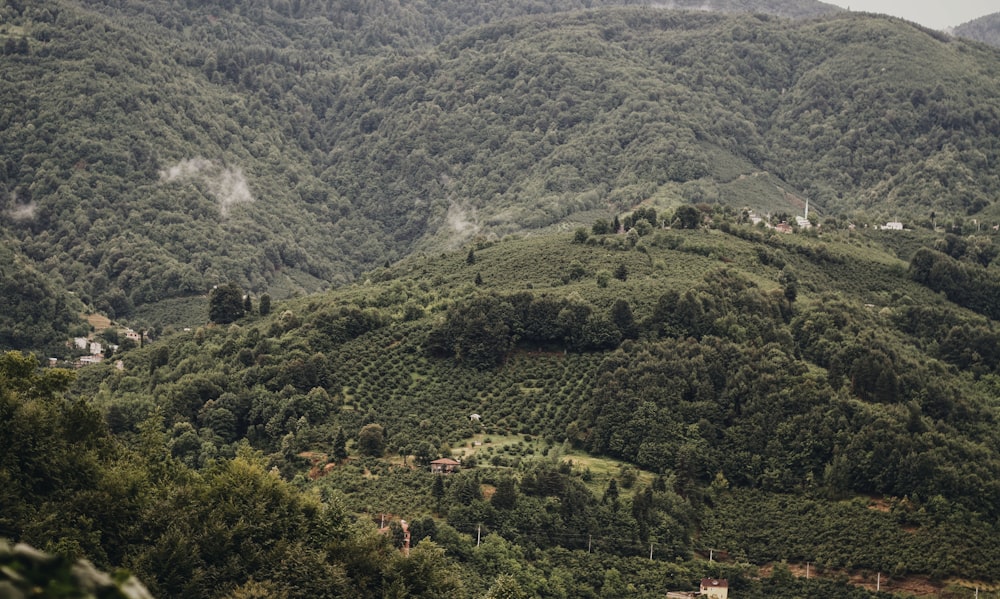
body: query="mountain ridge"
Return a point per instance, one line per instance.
(985, 29)
(286, 166)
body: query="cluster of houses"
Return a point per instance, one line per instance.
(96, 351)
(802, 222)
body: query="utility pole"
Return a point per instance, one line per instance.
(878, 583)
(651, 551)
(590, 540)
(710, 554)
(479, 534)
(807, 570)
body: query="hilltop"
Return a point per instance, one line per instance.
(154, 150)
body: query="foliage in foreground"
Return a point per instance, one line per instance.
(27, 572)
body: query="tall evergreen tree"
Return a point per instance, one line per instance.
(340, 445)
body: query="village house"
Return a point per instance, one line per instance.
(715, 588)
(404, 526)
(444, 466)
(89, 360)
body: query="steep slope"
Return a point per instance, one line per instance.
(151, 151)
(531, 122)
(985, 29)
(757, 373)
(37, 313)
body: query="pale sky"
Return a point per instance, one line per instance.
(936, 14)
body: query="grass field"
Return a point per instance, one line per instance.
(596, 471)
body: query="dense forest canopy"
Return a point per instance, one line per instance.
(152, 150)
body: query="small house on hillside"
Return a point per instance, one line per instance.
(89, 360)
(715, 588)
(444, 466)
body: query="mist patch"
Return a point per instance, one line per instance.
(227, 185)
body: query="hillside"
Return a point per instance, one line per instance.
(37, 313)
(772, 397)
(153, 150)
(985, 29)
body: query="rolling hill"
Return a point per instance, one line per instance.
(778, 398)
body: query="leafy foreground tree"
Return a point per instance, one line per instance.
(27, 572)
(234, 528)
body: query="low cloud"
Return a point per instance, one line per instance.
(227, 185)
(22, 212)
(690, 5)
(461, 224)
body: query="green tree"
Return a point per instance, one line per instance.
(611, 493)
(427, 573)
(225, 303)
(264, 305)
(438, 491)
(505, 586)
(506, 494)
(621, 316)
(340, 445)
(371, 440)
(687, 217)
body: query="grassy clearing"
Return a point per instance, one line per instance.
(596, 471)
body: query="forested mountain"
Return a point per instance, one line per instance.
(985, 29)
(774, 398)
(432, 192)
(154, 149)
